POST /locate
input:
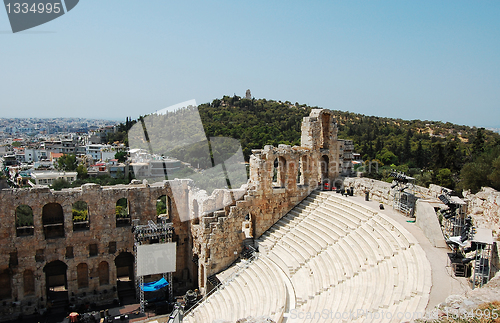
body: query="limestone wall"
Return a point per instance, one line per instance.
(218, 236)
(484, 207)
(381, 191)
(427, 220)
(23, 258)
(280, 177)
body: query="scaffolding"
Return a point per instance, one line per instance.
(151, 233)
(483, 241)
(454, 218)
(403, 191)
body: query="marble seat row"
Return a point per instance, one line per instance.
(256, 291)
(336, 257)
(384, 258)
(287, 222)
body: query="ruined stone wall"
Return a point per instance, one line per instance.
(382, 192)
(218, 236)
(280, 177)
(484, 206)
(30, 254)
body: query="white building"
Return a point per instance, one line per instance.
(48, 177)
(103, 153)
(34, 155)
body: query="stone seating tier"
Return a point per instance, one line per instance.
(333, 255)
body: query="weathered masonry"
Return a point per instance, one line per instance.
(46, 246)
(280, 177)
(79, 241)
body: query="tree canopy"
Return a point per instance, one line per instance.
(455, 156)
(67, 162)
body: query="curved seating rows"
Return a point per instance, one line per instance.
(338, 257)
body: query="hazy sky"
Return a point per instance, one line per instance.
(433, 60)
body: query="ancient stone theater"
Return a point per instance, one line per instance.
(316, 251)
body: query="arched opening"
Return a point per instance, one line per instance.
(24, 221)
(53, 221)
(202, 276)
(325, 130)
(279, 173)
(195, 215)
(274, 175)
(82, 275)
(29, 282)
(303, 170)
(324, 161)
(6, 283)
(124, 264)
(103, 273)
(80, 215)
(122, 213)
(164, 208)
(247, 227)
(56, 283)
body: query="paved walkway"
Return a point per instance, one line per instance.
(444, 282)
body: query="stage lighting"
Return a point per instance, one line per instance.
(457, 240)
(444, 199)
(473, 247)
(467, 260)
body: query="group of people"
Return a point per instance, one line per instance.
(344, 191)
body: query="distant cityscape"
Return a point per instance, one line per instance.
(31, 147)
(41, 127)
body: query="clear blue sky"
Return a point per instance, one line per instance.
(432, 60)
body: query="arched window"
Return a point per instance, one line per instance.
(6, 283)
(279, 173)
(122, 213)
(55, 275)
(274, 178)
(82, 273)
(80, 215)
(124, 263)
(325, 130)
(304, 170)
(24, 221)
(196, 216)
(324, 164)
(53, 221)
(164, 208)
(103, 273)
(29, 282)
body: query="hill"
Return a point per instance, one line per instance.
(454, 156)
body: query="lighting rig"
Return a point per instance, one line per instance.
(479, 251)
(151, 233)
(459, 232)
(452, 206)
(404, 192)
(454, 216)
